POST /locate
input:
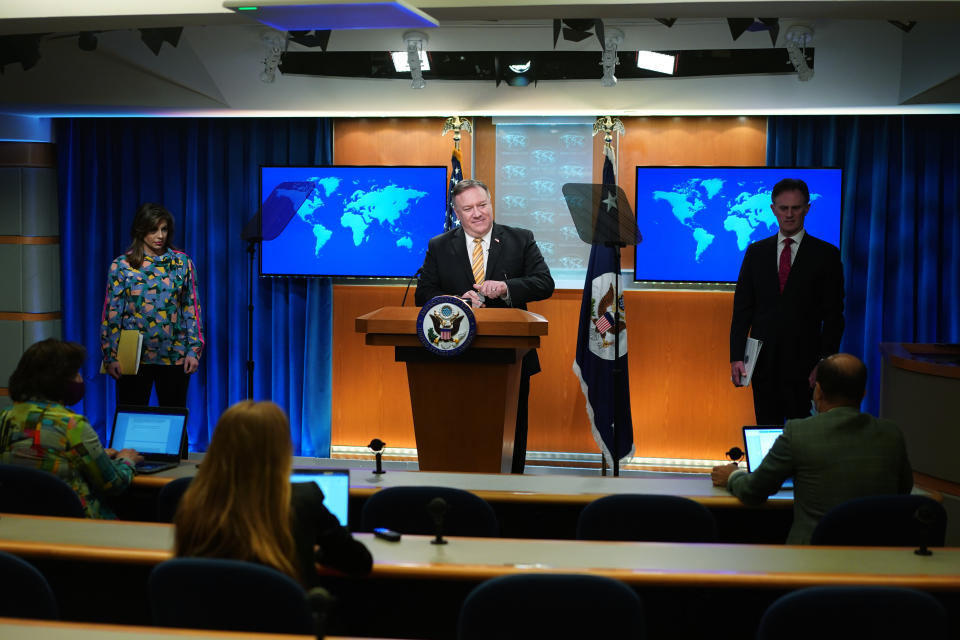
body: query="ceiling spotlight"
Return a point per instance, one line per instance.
(614, 38)
(796, 40)
(517, 70)
(659, 62)
(274, 42)
(415, 41)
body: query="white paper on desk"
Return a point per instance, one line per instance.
(750, 359)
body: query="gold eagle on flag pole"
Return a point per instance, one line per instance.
(456, 124)
(607, 125)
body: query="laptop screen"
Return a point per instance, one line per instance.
(335, 484)
(757, 441)
(149, 430)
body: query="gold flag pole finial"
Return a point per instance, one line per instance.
(456, 124)
(607, 125)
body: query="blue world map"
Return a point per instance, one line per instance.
(363, 221)
(373, 209)
(697, 223)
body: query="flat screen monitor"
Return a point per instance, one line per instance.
(349, 221)
(698, 221)
(335, 484)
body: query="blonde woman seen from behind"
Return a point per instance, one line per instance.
(241, 504)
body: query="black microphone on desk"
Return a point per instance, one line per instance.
(437, 508)
(409, 282)
(926, 517)
(377, 445)
(735, 453)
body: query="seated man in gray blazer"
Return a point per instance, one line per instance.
(833, 456)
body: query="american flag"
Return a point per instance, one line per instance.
(456, 175)
(608, 409)
(604, 322)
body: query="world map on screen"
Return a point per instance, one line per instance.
(710, 206)
(367, 210)
(353, 220)
(697, 224)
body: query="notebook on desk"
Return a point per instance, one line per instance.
(757, 440)
(159, 434)
(335, 484)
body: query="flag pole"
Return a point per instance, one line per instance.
(457, 124)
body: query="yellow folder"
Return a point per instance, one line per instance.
(128, 352)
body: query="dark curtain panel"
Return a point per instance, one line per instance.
(900, 239)
(206, 172)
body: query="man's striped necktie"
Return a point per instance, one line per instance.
(477, 261)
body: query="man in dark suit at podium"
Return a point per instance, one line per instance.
(790, 296)
(489, 265)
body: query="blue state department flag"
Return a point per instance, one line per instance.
(456, 175)
(594, 363)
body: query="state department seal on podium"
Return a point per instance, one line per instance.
(446, 325)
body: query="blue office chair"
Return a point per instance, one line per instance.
(169, 498)
(24, 592)
(232, 595)
(36, 492)
(555, 606)
(842, 613)
(404, 509)
(883, 521)
(648, 518)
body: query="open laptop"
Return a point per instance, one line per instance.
(757, 440)
(159, 434)
(335, 484)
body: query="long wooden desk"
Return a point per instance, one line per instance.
(417, 588)
(55, 630)
(529, 505)
(718, 565)
(529, 488)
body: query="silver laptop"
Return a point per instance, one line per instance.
(159, 434)
(335, 484)
(757, 440)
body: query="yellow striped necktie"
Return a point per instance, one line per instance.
(477, 261)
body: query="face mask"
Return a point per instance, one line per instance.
(73, 392)
(813, 408)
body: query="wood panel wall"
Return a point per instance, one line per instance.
(683, 403)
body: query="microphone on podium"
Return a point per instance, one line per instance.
(735, 453)
(437, 508)
(409, 282)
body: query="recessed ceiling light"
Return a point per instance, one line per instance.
(659, 62)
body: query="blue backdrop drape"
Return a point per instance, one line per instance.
(900, 239)
(206, 172)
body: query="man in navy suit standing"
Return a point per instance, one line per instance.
(790, 296)
(489, 265)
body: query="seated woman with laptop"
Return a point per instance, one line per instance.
(40, 431)
(241, 504)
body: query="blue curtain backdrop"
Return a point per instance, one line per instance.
(206, 172)
(900, 239)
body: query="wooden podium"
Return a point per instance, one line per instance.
(464, 407)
